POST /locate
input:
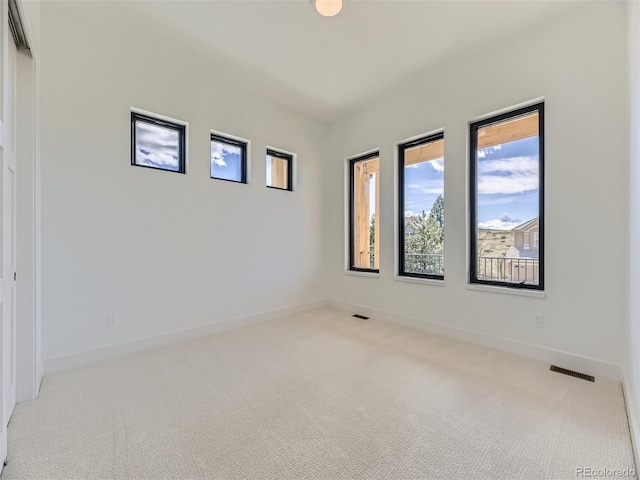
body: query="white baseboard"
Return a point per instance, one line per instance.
(579, 363)
(571, 361)
(78, 359)
(631, 416)
(39, 376)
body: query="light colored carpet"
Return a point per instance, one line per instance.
(319, 395)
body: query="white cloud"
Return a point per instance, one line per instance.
(496, 225)
(413, 185)
(220, 150)
(156, 158)
(482, 153)
(437, 165)
(410, 214)
(520, 197)
(155, 136)
(156, 146)
(505, 222)
(433, 191)
(508, 176)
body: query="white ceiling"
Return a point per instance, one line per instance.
(327, 67)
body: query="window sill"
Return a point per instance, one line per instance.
(362, 274)
(506, 290)
(423, 281)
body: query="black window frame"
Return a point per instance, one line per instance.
(473, 181)
(182, 134)
(352, 162)
(289, 158)
(401, 197)
(216, 137)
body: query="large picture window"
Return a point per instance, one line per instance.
(364, 251)
(421, 202)
(507, 199)
(157, 143)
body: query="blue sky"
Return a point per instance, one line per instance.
(269, 170)
(156, 146)
(423, 183)
(225, 161)
(508, 184)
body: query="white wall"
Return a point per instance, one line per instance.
(578, 64)
(166, 251)
(632, 345)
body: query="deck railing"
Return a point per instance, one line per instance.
(513, 270)
(502, 269)
(426, 263)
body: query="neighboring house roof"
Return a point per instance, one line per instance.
(528, 225)
(520, 252)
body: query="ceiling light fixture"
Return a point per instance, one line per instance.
(328, 8)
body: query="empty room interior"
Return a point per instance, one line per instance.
(320, 239)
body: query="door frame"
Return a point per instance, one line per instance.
(28, 233)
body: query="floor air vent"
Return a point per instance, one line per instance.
(571, 373)
(361, 317)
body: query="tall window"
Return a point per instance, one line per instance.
(421, 201)
(157, 143)
(364, 252)
(507, 199)
(228, 159)
(279, 170)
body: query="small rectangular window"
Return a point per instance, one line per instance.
(365, 203)
(228, 159)
(157, 143)
(507, 199)
(279, 170)
(421, 202)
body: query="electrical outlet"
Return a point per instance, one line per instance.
(112, 319)
(539, 320)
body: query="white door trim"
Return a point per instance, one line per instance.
(28, 350)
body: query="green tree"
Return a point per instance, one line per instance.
(372, 230)
(427, 237)
(435, 227)
(416, 241)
